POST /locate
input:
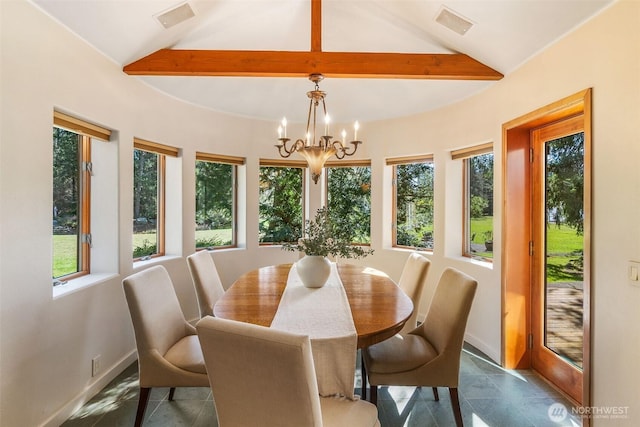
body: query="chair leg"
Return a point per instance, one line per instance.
(172, 391)
(455, 405)
(436, 397)
(373, 393)
(142, 405)
(363, 375)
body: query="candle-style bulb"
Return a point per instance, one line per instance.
(279, 131)
(344, 135)
(327, 120)
(284, 126)
(356, 126)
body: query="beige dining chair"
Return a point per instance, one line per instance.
(430, 354)
(265, 377)
(169, 353)
(206, 281)
(412, 281)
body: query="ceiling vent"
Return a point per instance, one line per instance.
(175, 15)
(453, 21)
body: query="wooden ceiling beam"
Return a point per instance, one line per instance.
(243, 63)
(316, 26)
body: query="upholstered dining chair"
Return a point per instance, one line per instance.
(412, 282)
(206, 281)
(430, 354)
(265, 377)
(169, 353)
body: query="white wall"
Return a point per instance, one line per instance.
(46, 344)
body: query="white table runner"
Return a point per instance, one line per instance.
(323, 314)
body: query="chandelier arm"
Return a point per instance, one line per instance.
(315, 118)
(309, 115)
(355, 148)
(283, 147)
(285, 154)
(337, 145)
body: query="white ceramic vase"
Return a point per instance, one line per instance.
(313, 270)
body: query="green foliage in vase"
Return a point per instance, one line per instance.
(326, 236)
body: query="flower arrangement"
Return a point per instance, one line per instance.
(324, 236)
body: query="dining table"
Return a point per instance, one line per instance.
(357, 307)
(378, 306)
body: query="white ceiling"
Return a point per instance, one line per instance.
(504, 35)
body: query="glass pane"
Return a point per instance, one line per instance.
(145, 203)
(280, 198)
(214, 204)
(349, 199)
(66, 191)
(564, 276)
(414, 205)
(480, 205)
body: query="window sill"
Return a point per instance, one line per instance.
(80, 283)
(153, 261)
(408, 249)
(222, 249)
(479, 262)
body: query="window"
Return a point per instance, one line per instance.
(281, 201)
(149, 171)
(349, 196)
(413, 201)
(216, 186)
(71, 216)
(478, 200)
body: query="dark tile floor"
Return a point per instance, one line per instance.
(489, 396)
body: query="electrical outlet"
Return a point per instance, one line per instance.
(634, 273)
(95, 366)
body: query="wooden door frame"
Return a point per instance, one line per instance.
(516, 232)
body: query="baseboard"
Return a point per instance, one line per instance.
(90, 390)
(493, 353)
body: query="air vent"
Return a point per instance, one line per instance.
(175, 15)
(453, 21)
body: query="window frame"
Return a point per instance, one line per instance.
(394, 162)
(466, 154)
(235, 162)
(86, 131)
(285, 163)
(347, 164)
(161, 150)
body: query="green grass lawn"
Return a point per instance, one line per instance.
(564, 252)
(479, 227)
(564, 249)
(65, 255)
(481, 230)
(206, 238)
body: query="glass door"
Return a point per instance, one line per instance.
(558, 250)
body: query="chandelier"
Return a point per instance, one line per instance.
(316, 152)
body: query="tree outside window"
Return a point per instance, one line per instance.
(70, 193)
(349, 199)
(281, 202)
(215, 200)
(146, 185)
(479, 205)
(414, 204)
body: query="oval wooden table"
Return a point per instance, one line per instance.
(378, 306)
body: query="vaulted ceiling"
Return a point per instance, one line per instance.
(381, 58)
